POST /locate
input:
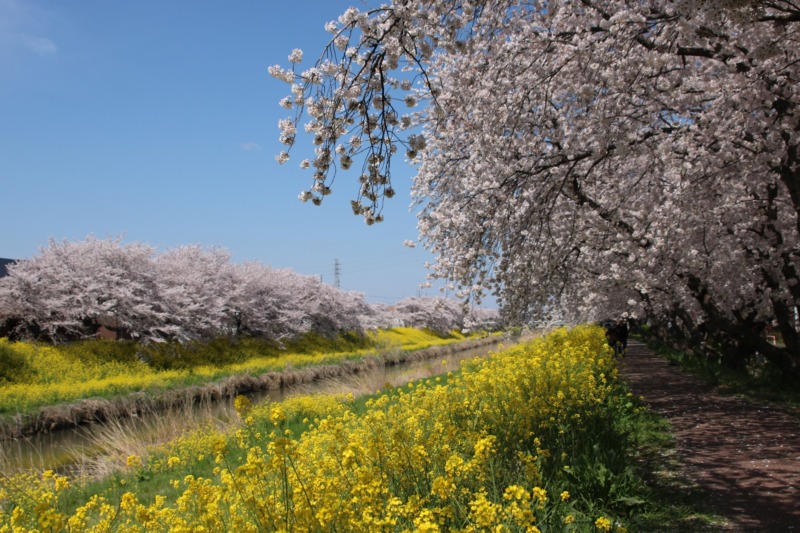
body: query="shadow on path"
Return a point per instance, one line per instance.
(746, 456)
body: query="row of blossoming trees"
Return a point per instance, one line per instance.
(591, 157)
(72, 288)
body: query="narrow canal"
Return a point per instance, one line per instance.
(88, 449)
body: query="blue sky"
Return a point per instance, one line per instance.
(157, 120)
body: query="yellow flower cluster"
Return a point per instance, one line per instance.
(471, 455)
(57, 375)
(410, 338)
(43, 512)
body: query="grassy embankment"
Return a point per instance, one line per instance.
(542, 435)
(33, 375)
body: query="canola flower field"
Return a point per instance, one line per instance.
(33, 375)
(531, 439)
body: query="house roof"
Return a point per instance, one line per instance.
(3, 264)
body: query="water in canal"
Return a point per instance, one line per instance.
(83, 450)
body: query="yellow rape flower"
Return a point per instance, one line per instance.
(603, 524)
(483, 512)
(242, 405)
(540, 495)
(431, 452)
(61, 482)
(277, 415)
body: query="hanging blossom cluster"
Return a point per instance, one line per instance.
(357, 103)
(586, 159)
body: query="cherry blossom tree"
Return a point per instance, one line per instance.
(381, 316)
(329, 310)
(71, 288)
(194, 288)
(482, 319)
(436, 314)
(280, 303)
(264, 302)
(583, 158)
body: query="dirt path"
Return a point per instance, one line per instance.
(746, 456)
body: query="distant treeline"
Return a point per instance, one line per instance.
(81, 289)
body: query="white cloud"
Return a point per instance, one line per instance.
(23, 26)
(251, 146)
(41, 46)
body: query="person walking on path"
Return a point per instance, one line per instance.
(744, 455)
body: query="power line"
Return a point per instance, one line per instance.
(399, 261)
